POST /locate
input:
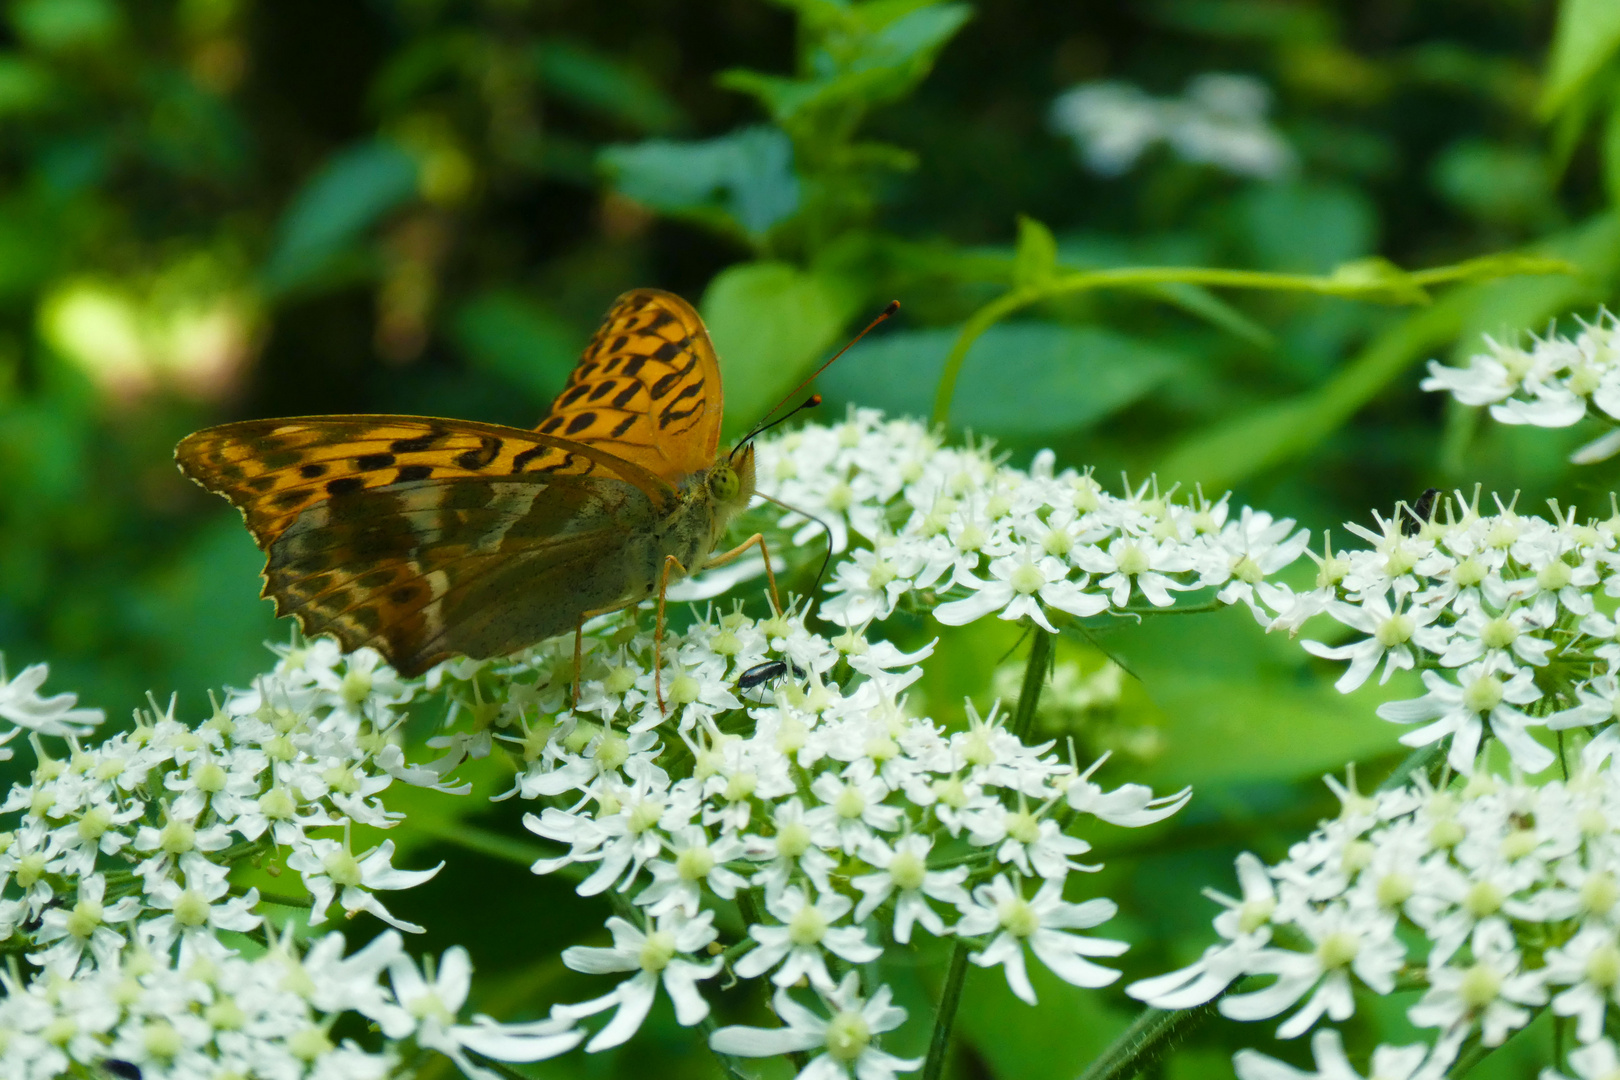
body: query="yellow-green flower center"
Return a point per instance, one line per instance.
(1480, 985)
(808, 926)
(1131, 560)
(657, 951)
(694, 863)
(1337, 949)
(793, 840)
(907, 870)
(848, 1036)
(1483, 694)
(1484, 899)
(1395, 630)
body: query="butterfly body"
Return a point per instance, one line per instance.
(429, 538)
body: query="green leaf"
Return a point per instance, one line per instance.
(66, 25)
(1021, 379)
(24, 86)
(1611, 154)
(509, 335)
(1587, 35)
(344, 199)
(593, 81)
(869, 70)
(1220, 681)
(1035, 261)
(743, 180)
(770, 322)
(1307, 228)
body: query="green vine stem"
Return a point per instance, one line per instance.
(1150, 1035)
(1041, 653)
(1367, 279)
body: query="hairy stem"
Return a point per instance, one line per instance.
(1035, 673)
(1145, 1041)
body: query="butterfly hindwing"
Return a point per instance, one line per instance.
(647, 388)
(428, 538)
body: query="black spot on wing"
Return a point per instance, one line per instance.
(345, 485)
(373, 462)
(527, 456)
(623, 426)
(312, 470)
(416, 444)
(408, 473)
(580, 422)
(669, 350)
(489, 447)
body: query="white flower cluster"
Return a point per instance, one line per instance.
(950, 524)
(206, 1013)
(1554, 383)
(114, 883)
(785, 782)
(813, 802)
(1500, 613)
(1221, 121)
(1495, 897)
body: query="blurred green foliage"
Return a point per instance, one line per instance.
(217, 209)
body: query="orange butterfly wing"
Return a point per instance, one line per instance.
(647, 388)
(428, 538)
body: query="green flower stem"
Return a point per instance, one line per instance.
(1365, 281)
(1149, 1036)
(1035, 673)
(950, 997)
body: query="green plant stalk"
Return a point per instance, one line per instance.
(950, 995)
(1146, 1040)
(1391, 286)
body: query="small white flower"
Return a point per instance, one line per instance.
(844, 1038)
(657, 957)
(1000, 908)
(21, 704)
(1021, 584)
(1462, 712)
(1391, 633)
(330, 871)
(904, 869)
(805, 930)
(1492, 991)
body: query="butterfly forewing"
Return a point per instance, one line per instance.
(647, 388)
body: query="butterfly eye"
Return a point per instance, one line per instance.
(723, 482)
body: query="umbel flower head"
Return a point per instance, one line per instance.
(1553, 383)
(1496, 896)
(1499, 611)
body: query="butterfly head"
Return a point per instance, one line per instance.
(731, 480)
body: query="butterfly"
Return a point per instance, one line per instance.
(427, 538)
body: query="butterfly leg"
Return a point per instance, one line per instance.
(753, 541)
(579, 634)
(670, 562)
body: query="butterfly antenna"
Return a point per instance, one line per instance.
(768, 423)
(827, 532)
